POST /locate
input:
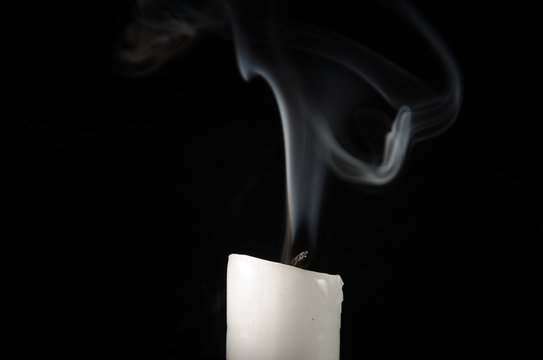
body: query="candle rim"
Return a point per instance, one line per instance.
(286, 266)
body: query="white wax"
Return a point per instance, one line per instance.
(279, 312)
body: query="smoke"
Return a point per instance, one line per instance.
(163, 29)
(326, 87)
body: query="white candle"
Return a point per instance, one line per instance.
(280, 312)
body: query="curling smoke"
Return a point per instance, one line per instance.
(323, 81)
(162, 30)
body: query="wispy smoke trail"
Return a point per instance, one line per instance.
(163, 29)
(322, 81)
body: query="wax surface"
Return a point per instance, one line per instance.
(280, 312)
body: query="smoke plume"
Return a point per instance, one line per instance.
(326, 87)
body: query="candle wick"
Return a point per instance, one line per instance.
(300, 259)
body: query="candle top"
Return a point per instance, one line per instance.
(287, 267)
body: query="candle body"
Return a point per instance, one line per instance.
(280, 312)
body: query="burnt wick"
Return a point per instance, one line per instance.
(300, 259)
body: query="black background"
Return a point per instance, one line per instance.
(125, 196)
